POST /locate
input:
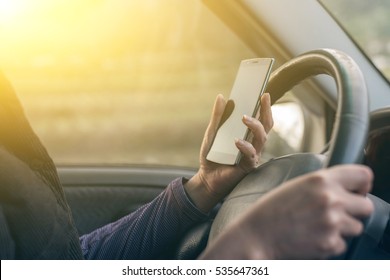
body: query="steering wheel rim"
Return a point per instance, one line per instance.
(348, 135)
(352, 115)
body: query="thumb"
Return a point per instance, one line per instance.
(216, 116)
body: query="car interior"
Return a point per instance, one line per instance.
(126, 114)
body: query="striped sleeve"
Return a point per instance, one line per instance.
(147, 232)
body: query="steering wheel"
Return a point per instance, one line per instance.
(347, 140)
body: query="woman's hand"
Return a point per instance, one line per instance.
(214, 181)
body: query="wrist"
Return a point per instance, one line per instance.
(197, 191)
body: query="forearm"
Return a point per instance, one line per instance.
(146, 233)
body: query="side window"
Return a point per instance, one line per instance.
(122, 82)
(108, 83)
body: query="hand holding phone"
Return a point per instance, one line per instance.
(245, 95)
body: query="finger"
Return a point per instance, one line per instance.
(350, 226)
(248, 151)
(354, 178)
(334, 246)
(258, 132)
(358, 206)
(219, 107)
(266, 112)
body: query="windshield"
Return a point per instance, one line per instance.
(367, 22)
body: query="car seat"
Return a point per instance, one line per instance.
(35, 219)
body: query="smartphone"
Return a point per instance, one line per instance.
(249, 85)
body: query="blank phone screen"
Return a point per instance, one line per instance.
(247, 89)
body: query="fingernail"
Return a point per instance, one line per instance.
(239, 141)
(267, 96)
(247, 118)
